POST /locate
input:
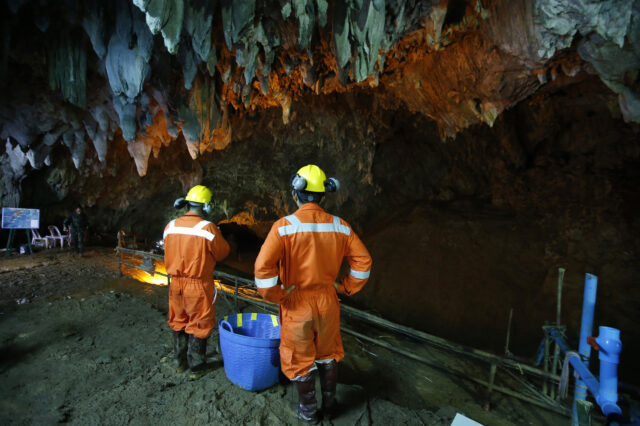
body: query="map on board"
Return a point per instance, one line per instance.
(16, 218)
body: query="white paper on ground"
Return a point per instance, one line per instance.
(461, 420)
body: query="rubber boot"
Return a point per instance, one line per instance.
(308, 406)
(328, 382)
(179, 354)
(216, 356)
(197, 357)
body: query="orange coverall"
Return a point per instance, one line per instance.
(306, 250)
(192, 246)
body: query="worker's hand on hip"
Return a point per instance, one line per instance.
(290, 289)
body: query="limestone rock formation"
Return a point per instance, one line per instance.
(156, 71)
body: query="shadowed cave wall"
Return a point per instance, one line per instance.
(460, 231)
(484, 151)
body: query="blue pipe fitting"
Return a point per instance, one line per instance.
(609, 348)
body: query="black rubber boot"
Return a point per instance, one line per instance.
(179, 353)
(215, 339)
(308, 406)
(328, 383)
(197, 357)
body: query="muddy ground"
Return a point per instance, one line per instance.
(81, 345)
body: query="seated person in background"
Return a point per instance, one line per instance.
(77, 224)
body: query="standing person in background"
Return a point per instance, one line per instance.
(77, 225)
(305, 250)
(192, 246)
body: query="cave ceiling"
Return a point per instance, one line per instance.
(81, 74)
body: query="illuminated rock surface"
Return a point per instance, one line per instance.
(523, 112)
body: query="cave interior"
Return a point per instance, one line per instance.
(480, 144)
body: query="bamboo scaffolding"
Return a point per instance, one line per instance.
(493, 360)
(554, 407)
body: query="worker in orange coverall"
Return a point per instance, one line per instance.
(192, 246)
(306, 250)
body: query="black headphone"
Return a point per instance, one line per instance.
(179, 203)
(299, 183)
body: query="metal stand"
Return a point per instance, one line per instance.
(12, 233)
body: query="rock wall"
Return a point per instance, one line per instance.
(460, 231)
(480, 144)
(158, 71)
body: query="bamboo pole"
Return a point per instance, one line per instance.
(556, 350)
(475, 353)
(140, 253)
(424, 337)
(555, 408)
(138, 267)
(416, 334)
(492, 378)
(454, 347)
(506, 343)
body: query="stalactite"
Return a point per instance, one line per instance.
(487, 60)
(605, 25)
(305, 11)
(189, 61)
(165, 16)
(198, 16)
(127, 64)
(67, 63)
(94, 23)
(237, 16)
(74, 140)
(140, 152)
(202, 123)
(367, 29)
(17, 158)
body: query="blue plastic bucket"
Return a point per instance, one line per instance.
(249, 344)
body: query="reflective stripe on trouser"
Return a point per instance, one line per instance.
(191, 306)
(310, 330)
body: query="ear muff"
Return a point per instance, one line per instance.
(331, 185)
(207, 208)
(298, 182)
(180, 203)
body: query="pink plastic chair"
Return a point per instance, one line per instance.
(36, 239)
(57, 236)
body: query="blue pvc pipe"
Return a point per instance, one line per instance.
(610, 347)
(586, 329)
(605, 392)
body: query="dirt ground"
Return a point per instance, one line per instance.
(81, 345)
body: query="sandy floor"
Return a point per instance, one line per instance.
(78, 344)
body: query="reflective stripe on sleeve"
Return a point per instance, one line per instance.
(297, 226)
(266, 282)
(361, 275)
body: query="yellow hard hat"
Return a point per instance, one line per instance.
(199, 194)
(309, 178)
